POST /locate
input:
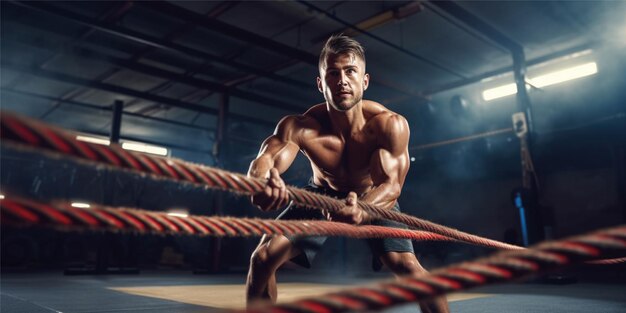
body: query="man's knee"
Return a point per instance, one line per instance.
(404, 264)
(261, 259)
(269, 255)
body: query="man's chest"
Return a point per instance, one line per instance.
(336, 156)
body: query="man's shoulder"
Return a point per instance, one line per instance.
(309, 119)
(384, 120)
(315, 116)
(316, 111)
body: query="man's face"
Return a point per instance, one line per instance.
(343, 81)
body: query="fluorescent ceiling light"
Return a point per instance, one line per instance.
(126, 145)
(543, 80)
(95, 140)
(144, 148)
(178, 212)
(499, 92)
(564, 75)
(81, 205)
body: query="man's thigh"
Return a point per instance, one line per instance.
(383, 246)
(305, 247)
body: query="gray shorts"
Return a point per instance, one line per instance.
(311, 245)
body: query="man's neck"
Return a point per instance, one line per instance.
(347, 122)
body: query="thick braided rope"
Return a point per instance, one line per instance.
(38, 136)
(20, 212)
(16, 211)
(500, 267)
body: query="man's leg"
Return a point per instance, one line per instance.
(269, 255)
(405, 263)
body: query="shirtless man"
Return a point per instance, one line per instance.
(358, 150)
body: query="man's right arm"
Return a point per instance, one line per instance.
(276, 155)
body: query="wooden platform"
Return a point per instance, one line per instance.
(232, 295)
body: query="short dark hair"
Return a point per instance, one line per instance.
(339, 44)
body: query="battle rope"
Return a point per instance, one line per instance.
(35, 134)
(501, 266)
(20, 212)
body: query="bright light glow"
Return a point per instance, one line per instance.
(126, 145)
(412, 159)
(144, 148)
(543, 80)
(95, 140)
(1, 197)
(499, 92)
(565, 75)
(81, 205)
(178, 212)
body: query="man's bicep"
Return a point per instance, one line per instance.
(385, 167)
(395, 135)
(390, 163)
(278, 152)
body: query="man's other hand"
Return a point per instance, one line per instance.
(351, 213)
(274, 195)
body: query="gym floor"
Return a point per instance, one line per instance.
(188, 293)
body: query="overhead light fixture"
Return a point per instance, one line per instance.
(565, 75)
(499, 92)
(96, 140)
(140, 147)
(178, 212)
(81, 205)
(549, 79)
(1, 197)
(133, 146)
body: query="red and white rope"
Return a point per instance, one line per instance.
(26, 133)
(20, 212)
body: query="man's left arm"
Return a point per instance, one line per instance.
(389, 164)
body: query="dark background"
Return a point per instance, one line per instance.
(173, 64)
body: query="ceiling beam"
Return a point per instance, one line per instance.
(34, 70)
(169, 60)
(102, 108)
(276, 47)
(153, 41)
(132, 64)
(109, 109)
(172, 10)
(386, 42)
(181, 78)
(115, 16)
(380, 19)
(477, 24)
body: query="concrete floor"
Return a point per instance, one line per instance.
(187, 293)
